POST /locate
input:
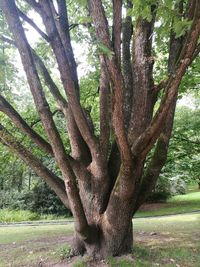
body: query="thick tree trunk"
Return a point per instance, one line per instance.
(103, 242)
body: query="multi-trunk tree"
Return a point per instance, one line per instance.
(106, 177)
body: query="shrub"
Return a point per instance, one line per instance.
(167, 187)
(13, 200)
(44, 200)
(41, 199)
(178, 185)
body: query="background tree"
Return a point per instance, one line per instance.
(183, 158)
(104, 180)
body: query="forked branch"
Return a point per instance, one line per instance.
(146, 140)
(102, 32)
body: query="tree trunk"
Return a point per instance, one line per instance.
(103, 242)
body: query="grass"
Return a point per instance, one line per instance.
(17, 215)
(14, 235)
(166, 241)
(21, 245)
(177, 204)
(8, 216)
(172, 224)
(171, 241)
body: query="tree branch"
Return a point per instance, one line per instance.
(158, 87)
(157, 162)
(105, 109)
(148, 138)
(101, 26)
(6, 108)
(196, 52)
(67, 79)
(39, 120)
(34, 4)
(79, 147)
(63, 27)
(175, 44)
(52, 180)
(127, 31)
(142, 67)
(117, 25)
(62, 103)
(32, 23)
(10, 11)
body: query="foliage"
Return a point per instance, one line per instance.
(167, 187)
(184, 153)
(41, 199)
(182, 166)
(7, 216)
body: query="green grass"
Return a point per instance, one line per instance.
(177, 204)
(11, 234)
(161, 241)
(8, 216)
(164, 241)
(174, 256)
(172, 224)
(21, 245)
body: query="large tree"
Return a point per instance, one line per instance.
(107, 176)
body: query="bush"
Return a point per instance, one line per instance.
(178, 185)
(44, 200)
(41, 200)
(167, 187)
(13, 200)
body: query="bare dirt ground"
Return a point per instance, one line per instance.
(154, 206)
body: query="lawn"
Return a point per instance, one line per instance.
(171, 241)
(177, 204)
(166, 241)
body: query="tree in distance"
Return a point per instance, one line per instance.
(106, 177)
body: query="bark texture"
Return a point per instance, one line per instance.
(103, 181)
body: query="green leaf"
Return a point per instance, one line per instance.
(181, 27)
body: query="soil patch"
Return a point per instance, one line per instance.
(154, 206)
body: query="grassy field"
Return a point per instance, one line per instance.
(24, 244)
(177, 204)
(171, 241)
(168, 241)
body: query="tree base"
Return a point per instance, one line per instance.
(105, 245)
